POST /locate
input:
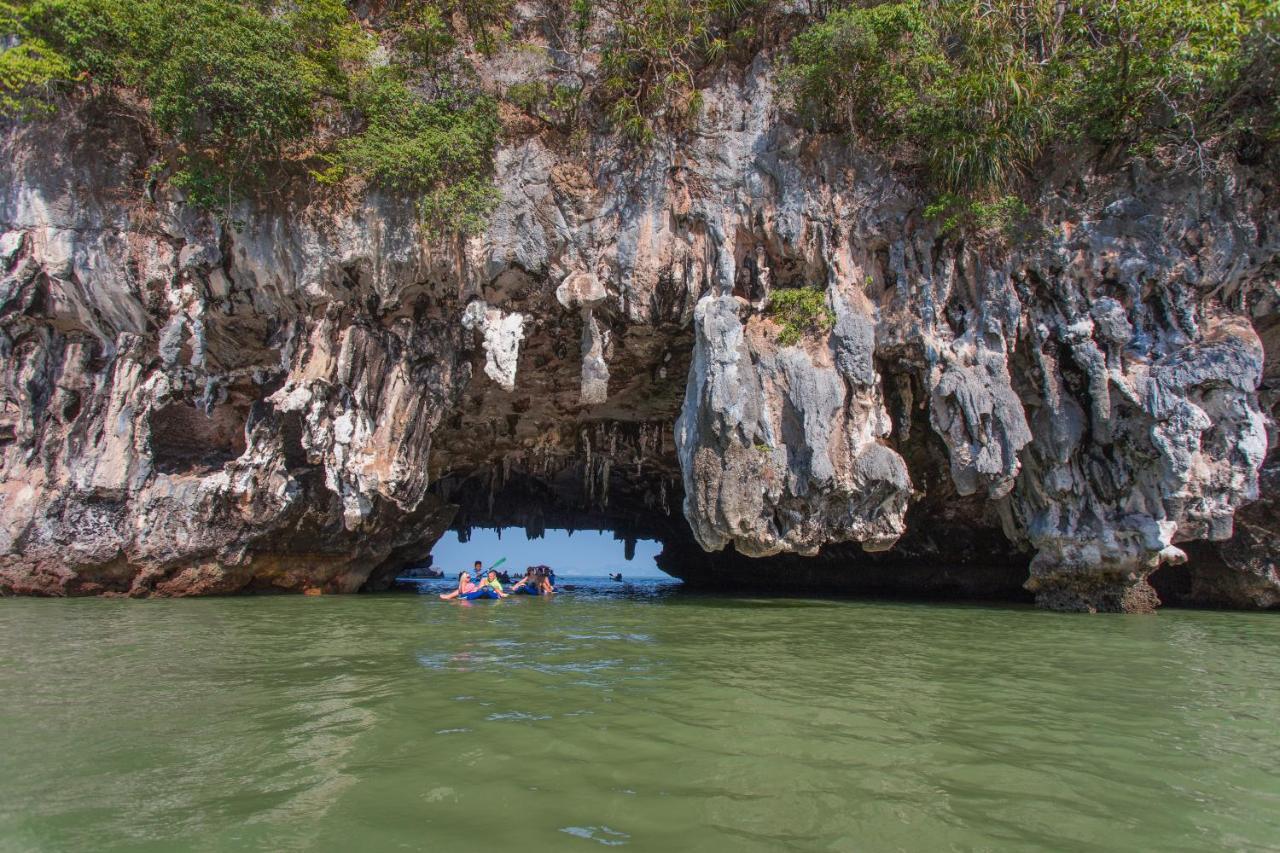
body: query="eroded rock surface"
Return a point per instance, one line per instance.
(779, 445)
(310, 397)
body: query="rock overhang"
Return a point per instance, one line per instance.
(1089, 397)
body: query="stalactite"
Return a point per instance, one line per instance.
(588, 481)
(493, 486)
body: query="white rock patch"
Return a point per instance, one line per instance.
(502, 336)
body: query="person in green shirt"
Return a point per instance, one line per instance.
(492, 580)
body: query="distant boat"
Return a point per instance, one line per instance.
(616, 577)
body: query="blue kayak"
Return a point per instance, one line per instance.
(484, 592)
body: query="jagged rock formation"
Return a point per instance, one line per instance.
(779, 446)
(308, 397)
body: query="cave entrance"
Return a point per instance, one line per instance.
(572, 553)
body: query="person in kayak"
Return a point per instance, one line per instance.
(528, 582)
(464, 586)
(546, 580)
(494, 583)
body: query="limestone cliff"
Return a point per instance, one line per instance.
(308, 393)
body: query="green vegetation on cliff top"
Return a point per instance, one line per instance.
(651, 61)
(970, 95)
(975, 92)
(241, 90)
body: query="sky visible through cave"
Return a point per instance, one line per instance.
(583, 553)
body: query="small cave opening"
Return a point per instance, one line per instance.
(953, 549)
(587, 554)
(186, 440)
(922, 567)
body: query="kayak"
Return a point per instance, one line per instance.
(485, 592)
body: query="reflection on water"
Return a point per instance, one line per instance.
(632, 716)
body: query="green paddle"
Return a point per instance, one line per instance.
(495, 565)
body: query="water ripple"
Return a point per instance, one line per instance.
(668, 722)
(599, 834)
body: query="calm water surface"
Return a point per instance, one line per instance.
(648, 720)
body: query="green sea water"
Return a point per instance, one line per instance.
(639, 719)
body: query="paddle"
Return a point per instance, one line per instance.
(495, 565)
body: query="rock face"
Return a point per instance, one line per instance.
(309, 397)
(780, 446)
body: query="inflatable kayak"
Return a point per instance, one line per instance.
(485, 592)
